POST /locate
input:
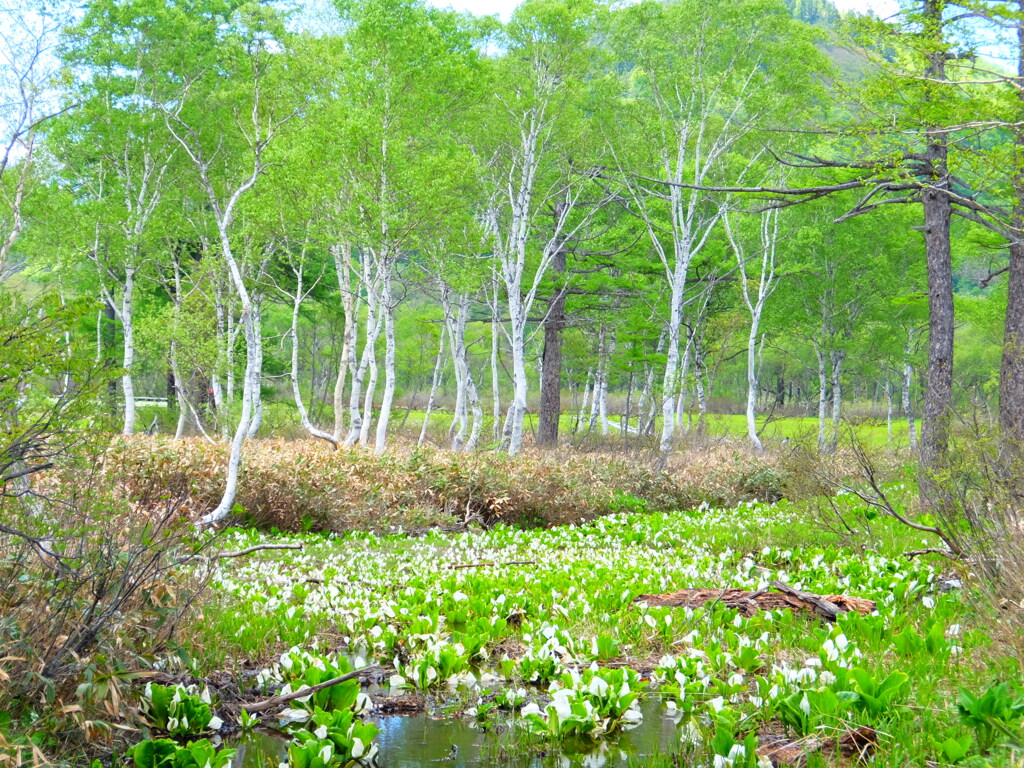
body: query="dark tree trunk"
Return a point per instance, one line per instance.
(1011, 374)
(551, 376)
(109, 342)
(938, 395)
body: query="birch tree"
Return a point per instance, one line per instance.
(705, 77)
(758, 282)
(536, 102)
(259, 117)
(408, 71)
(28, 67)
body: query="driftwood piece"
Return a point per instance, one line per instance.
(848, 748)
(747, 603)
(276, 701)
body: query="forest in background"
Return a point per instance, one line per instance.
(638, 215)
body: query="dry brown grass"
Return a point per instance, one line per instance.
(306, 484)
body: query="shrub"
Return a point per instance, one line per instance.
(303, 485)
(166, 753)
(178, 710)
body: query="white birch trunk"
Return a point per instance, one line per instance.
(128, 328)
(300, 406)
(256, 380)
(369, 346)
(888, 413)
(766, 283)
(822, 396)
(751, 411)
(343, 267)
(584, 400)
(671, 379)
(434, 381)
(99, 335)
(908, 380)
(495, 379)
(223, 214)
(388, 309)
(837, 395)
(232, 331)
(702, 400)
(179, 430)
(684, 371)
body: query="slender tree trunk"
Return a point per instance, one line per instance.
(253, 363)
(434, 381)
(220, 402)
(520, 383)
(369, 344)
(229, 376)
(371, 388)
(460, 416)
(822, 396)
(109, 340)
(256, 380)
(300, 406)
(128, 327)
(684, 371)
(495, 339)
(765, 286)
(99, 336)
(702, 400)
(602, 403)
(888, 413)
(908, 380)
(180, 384)
(388, 309)
(837, 395)
(643, 401)
(584, 400)
(343, 266)
(752, 375)
(472, 395)
(624, 423)
(179, 395)
(671, 380)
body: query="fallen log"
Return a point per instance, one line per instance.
(748, 603)
(276, 701)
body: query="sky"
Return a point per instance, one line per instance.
(503, 8)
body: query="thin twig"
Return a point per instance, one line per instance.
(933, 551)
(484, 565)
(239, 553)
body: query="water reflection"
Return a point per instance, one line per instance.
(420, 740)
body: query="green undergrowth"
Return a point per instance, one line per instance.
(542, 628)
